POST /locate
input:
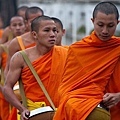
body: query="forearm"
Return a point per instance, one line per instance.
(12, 99)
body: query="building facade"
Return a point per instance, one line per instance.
(76, 16)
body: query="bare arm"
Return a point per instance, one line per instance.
(12, 48)
(16, 65)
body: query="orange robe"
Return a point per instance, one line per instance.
(1, 32)
(89, 66)
(50, 69)
(4, 105)
(13, 115)
(114, 87)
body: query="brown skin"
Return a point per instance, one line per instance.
(26, 38)
(5, 35)
(104, 27)
(45, 39)
(60, 34)
(17, 26)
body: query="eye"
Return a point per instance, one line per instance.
(111, 25)
(46, 30)
(100, 25)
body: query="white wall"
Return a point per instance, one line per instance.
(70, 15)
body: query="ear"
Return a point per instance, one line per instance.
(118, 21)
(34, 34)
(64, 32)
(92, 20)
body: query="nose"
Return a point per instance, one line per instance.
(105, 30)
(52, 33)
(17, 27)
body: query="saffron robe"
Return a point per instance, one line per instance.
(89, 66)
(14, 115)
(1, 32)
(49, 67)
(4, 105)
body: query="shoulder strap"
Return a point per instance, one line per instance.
(24, 100)
(4, 48)
(19, 38)
(2, 77)
(37, 78)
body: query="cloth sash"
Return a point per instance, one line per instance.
(34, 105)
(50, 74)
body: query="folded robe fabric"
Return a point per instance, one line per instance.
(49, 67)
(4, 105)
(89, 66)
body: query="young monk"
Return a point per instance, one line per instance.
(44, 57)
(21, 11)
(17, 25)
(26, 40)
(60, 30)
(91, 63)
(7, 33)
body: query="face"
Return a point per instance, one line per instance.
(105, 25)
(47, 34)
(60, 34)
(32, 17)
(17, 26)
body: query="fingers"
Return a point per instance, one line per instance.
(110, 99)
(25, 115)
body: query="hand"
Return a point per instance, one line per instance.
(25, 114)
(111, 99)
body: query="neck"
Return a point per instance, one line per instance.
(43, 50)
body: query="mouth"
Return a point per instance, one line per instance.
(52, 41)
(105, 37)
(18, 33)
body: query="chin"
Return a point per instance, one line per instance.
(105, 39)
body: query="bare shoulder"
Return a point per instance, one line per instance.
(14, 46)
(27, 38)
(5, 35)
(17, 60)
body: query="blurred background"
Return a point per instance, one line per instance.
(74, 14)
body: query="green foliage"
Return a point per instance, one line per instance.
(81, 29)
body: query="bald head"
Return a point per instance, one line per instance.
(106, 8)
(36, 22)
(33, 10)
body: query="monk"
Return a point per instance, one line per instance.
(26, 39)
(7, 33)
(21, 11)
(17, 25)
(60, 30)
(43, 57)
(90, 65)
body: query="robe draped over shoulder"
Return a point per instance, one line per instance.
(49, 67)
(89, 66)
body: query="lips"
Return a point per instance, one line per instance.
(52, 41)
(104, 37)
(18, 33)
